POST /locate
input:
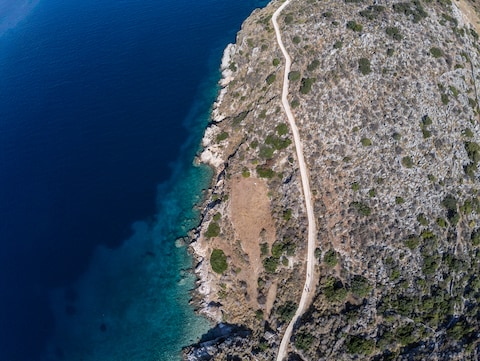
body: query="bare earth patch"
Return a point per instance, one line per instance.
(253, 224)
(471, 12)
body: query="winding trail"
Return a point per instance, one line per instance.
(310, 279)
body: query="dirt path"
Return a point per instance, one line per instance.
(310, 279)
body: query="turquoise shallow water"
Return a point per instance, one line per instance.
(102, 108)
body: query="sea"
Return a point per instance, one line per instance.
(103, 104)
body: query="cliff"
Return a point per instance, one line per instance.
(386, 98)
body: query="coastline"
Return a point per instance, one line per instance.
(209, 155)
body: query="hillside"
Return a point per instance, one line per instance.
(386, 97)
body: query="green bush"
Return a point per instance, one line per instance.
(296, 40)
(294, 75)
(338, 44)
(245, 172)
(303, 341)
(372, 12)
(334, 290)
(306, 85)
(361, 208)
(366, 142)
(287, 311)
(399, 200)
(353, 25)
(359, 345)
(276, 62)
(218, 261)
(213, 230)
(222, 136)
(422, 219)
(263, 249)
(444, 98)
(264, 171)
(390, 51)
(394, 32)
(270, 79)
(475, 238)
(412, 242)
(313, 65)
(330, 258)
(360, 286)
(436, 52)
(266, 152)
(364, 66)
(282, 129)
(270, 264)
(407, 162)
(355, 186)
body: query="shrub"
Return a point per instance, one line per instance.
(270, 264)
(306, 85)
(270, 79)
(213, 230)
(276, 62)
(222, 136)
(359, 345)
(287, 311)
(296, 40)
(436, 52)
(355, 186)
(422, 219)
(330, 258)
(263, 249)
(360, 286)
(264, 172)
(245, 172)
(266, 152)
(294, 75)
(313, 65)
(399, 200)
(444, 98)
(412, 242)
(394, 32)
(334, 290)
(364, 66)
(353, 25)
(390, 51)
(372, 12)
(366, 142)
(282, 129)
(475, 238)
(218, 261)
(338, 44)
(407, 162)
(303, 341)
(361, 208)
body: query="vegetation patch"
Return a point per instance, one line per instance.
(270, 79)
(364, 66)
(436, 52)
(394, 32)
(359, 345)
(372, 12)
(413, 10)
(407, 162)
(330, 258)
(222, 136)
(353, 25)
(294, 75)
(213, 230)
(306, 85)
(361, 208)
(218, 261)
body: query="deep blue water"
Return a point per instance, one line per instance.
(102, 107)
